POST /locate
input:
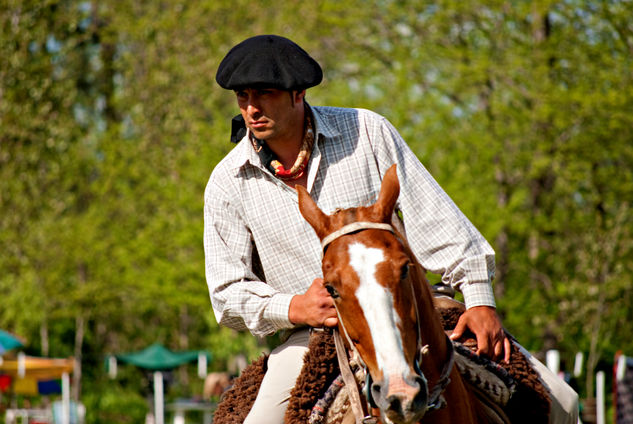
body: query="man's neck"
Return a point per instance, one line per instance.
(287, 148)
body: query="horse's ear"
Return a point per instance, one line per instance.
(389, 191)
(311, 212)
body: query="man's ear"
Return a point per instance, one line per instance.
(297, 96)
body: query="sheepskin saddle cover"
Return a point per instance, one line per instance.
(515, 389)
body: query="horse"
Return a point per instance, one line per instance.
(386, 314)
(215, 384)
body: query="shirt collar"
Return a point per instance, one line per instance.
(323, 129)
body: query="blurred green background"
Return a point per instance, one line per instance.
(111, 122)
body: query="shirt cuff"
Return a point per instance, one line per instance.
(478, 294)
(277, 311)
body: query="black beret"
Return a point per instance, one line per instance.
(268, 61)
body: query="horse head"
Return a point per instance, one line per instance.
(379, 291)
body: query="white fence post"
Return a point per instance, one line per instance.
(65, 398)
(159, 406)
(552, 360)
(600, 407)
(578, 363)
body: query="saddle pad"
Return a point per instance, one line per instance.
(491, 379)
(529, 401)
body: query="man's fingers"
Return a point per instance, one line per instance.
(502, 350)
(459, 330)
(326, 302)
(498, 350)
(330, 322)
(483, 346)
(508, 349)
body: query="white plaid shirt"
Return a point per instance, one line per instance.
(260, 252)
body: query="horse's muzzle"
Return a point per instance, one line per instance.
(402, 400)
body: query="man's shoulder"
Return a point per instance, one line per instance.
(339, 120)
(234, 159)
(334, 112)
(224, 171)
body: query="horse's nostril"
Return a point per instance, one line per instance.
(421, 397)
(375, 390)
(394, 403)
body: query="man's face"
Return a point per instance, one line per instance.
(271, 114)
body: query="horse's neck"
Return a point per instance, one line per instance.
(432, 331)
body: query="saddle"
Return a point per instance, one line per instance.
(510, 393)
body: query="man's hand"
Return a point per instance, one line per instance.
(314, 308)
(484, 322)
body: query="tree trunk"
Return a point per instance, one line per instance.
(79, 339)
(183, 340)
(44, 336)
(501, 242)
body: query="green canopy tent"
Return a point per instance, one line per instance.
(158, 358)
(8, 341)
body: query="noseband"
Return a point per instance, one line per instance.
(435, 399)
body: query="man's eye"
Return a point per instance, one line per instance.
(332, 291)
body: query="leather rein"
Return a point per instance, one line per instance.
(362, 416)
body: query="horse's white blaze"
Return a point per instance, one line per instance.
(377, 305)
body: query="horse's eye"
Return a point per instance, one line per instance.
(404, 271)
(332, 291)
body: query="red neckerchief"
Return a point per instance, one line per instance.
(297, 170)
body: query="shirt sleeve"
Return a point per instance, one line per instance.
(443, 239)
(240, 299)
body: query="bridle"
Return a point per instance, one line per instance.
(353, 228)
(435, 398)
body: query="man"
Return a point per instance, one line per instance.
(263, 260)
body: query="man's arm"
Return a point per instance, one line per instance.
(239, 298)
(444, 240)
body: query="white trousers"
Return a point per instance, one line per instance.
(284, 365)
(564, 409)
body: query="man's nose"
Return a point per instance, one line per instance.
(252, 108)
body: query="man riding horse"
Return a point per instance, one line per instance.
(263, 260)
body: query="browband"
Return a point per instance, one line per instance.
(352, 228)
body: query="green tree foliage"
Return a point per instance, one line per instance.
(111, 122)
